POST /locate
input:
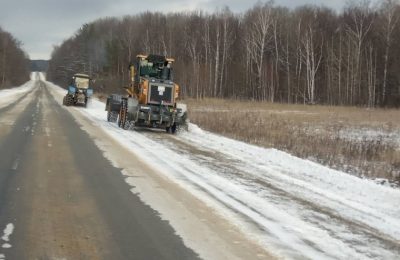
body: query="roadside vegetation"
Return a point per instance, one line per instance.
(362, 142)
(14, 62)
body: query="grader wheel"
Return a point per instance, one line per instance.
(111, 115)
(123, 115)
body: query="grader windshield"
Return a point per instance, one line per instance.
(154, 66)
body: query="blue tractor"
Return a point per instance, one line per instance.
(79, 92)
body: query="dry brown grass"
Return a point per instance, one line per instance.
(359, 141)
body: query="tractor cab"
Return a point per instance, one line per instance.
(81, 84)
(81, 81)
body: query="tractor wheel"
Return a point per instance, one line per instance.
(64, 101)
(69, 100)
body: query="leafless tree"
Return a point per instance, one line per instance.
(389, 17)
(358, 28)
(305, 55)
(260, 35)
(14, 63)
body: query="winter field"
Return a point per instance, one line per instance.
(362, 142)
(295, 208)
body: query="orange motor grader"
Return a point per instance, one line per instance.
(152, 97)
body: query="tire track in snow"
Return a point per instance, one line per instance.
(362, 238)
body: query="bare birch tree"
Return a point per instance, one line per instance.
(312, 56)
(361, 23)
(260, 36)
(389, 17)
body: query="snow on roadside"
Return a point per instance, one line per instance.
(314, 175)
(361, 195)
(41, 76)
(8, 96)
(283, 225)
(367, 134)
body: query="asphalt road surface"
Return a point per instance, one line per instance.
(61, 199)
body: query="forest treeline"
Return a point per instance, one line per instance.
(308, 55)
(14, 62)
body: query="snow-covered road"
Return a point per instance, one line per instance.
(293, 207)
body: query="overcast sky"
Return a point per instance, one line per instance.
(41, 24)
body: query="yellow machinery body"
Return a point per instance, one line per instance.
(139, 89)
(152, 97)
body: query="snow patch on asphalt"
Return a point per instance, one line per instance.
(6, 245)
(9, 229)
(8, 232)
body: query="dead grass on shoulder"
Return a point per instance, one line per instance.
(359, 141)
